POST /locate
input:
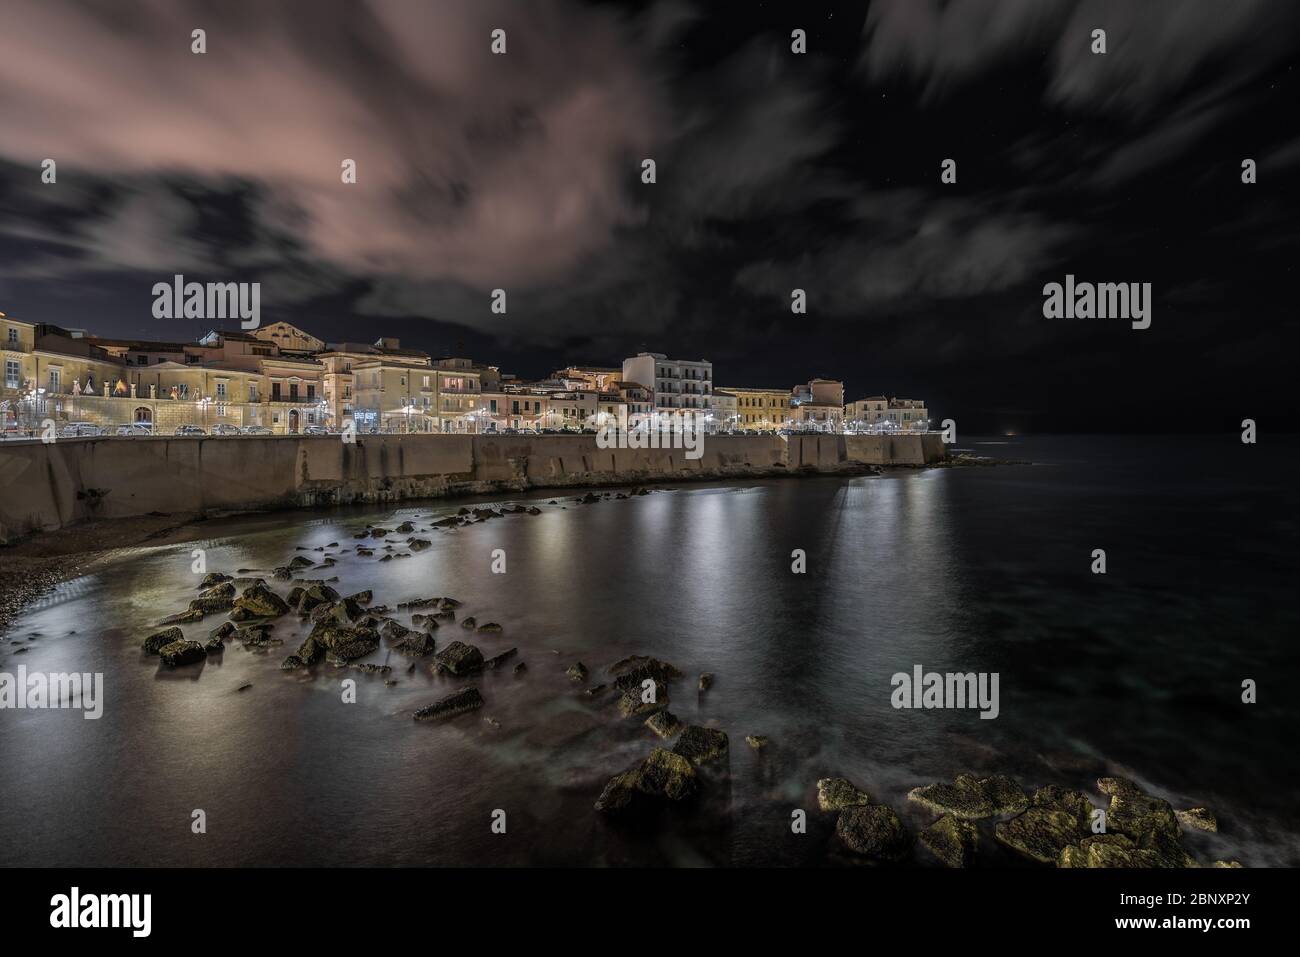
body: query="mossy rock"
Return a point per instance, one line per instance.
(952, 840)
(836, 794)
(874, 831)
(180, 653)
(702, 745)
(1040, 833)
(160, 639)
(971, 798)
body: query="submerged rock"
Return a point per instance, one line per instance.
(458, 658)
(836, 794)
(489, 626)
(497, 661)
(469, 622)
(874, 831)
(664, 724)
(181, 653)
(577, 671)
(214, 646)
(702, 745)
(970, 798)
(952, 840)
(458, 702)
(213, 578)
(756, 741)
(706, 681)
(291, 663)
(160, 639)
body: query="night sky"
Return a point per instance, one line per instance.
(775, 171)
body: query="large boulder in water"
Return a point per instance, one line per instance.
(181, 653)
(160, 639)
(970, 798)
(1134, 812)
(874, 830)
(458, 658)
(459, 702)
(258, 601)
(660, 778)
(835, 794)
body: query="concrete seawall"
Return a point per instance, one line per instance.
(46, 487)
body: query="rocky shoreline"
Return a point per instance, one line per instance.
(1046, 826)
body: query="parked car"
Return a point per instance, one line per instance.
(80, 430)
(256, 430)
(190, 431)
(135, 429)
(225, 428)
(315, 430)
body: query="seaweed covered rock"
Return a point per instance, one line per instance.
(458, 658)
(971, 798)
(458, 702)
(835, 794)
(874, 831)
(160, 639)
(702, 745)
(577, 671)
(952, 840)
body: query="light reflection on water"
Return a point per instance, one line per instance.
(971, 570)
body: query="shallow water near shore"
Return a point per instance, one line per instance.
(1137, 672)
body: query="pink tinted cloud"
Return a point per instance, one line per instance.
(477, 168)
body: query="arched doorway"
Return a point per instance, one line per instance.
(144, 415)
(293, 421)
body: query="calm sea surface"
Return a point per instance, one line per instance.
(1135, 672)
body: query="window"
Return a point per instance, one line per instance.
(252, 392)
(293, 392)
(311, 392)
(12, 370)
(275, 393)
(13, 336)
(56, 377)
(221, 392)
